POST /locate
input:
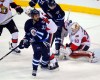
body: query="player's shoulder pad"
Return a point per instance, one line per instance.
(28, 21)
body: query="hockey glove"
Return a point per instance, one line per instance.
(21, 44)
(19, 10)
(25, 43)
(32, 3)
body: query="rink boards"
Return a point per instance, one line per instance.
(66, 7)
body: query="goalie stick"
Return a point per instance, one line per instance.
(68, 14)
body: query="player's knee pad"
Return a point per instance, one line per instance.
(15, 35)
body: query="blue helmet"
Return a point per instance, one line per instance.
(34, 12)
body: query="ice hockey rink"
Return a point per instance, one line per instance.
(19, 67)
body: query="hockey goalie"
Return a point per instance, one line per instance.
(79, 43)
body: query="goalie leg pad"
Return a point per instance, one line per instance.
(79, 54)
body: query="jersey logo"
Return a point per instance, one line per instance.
(57, 12)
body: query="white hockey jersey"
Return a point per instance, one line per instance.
(51, 26)
(81, 37)
(3, 17)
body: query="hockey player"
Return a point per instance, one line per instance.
(53, 11)
(79, 41)
(5, 13)
(36, 34)
(49, 22)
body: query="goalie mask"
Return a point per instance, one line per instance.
(74, 28)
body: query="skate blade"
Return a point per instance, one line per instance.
(15, 53)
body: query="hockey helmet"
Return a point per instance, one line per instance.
(34, 12)
(74, 27)
(28, 10)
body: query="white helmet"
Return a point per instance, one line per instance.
(74, 27)
(28, 10)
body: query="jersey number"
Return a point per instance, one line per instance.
(76, 40)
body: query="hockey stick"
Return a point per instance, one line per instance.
(68, 14)
(8, 53)
(8, 18)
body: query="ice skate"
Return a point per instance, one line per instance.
(14, 51)
(34, 73)
(53, 66)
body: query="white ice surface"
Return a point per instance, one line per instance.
(19, 67)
